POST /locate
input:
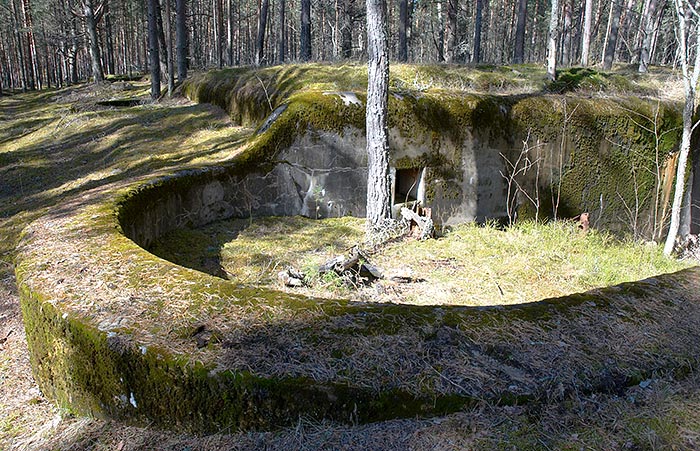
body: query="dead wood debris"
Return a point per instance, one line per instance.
(356, 268)
(293, 278)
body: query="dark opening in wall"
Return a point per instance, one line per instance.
(407, 184)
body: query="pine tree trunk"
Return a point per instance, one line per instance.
(378, 175)
(586, 38)
(519, 52)
(93, 40)
(347, 14)
(611, 37)
(154, 57)
(260, 40)
(33, 59)
(181, 39)
(163, 44)
(647, 25)
(451, 31)
(305, 37)
(476, 51)
(440, 44)
(19, 46)
(403, 28)
(170, 59)
(219, 32)
(109, 41)
(552, 41)
(282, 39)
(566, 38)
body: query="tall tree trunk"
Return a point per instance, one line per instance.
(566, 38)
(586, 38)
(171, 60)
(21, 62)
(519, 53)
(282, 37)
(346, 21)
(552, 41)
(305, 37)
(403, 28)
(626, 18)
(218, 8)
(450, 51)
(378, 175)
(611, 37)
(690, 83)
(647, 24)
(657, 26)
(154, 57)
(476, 51)
(440, 43)
(94, 43)
(181, 38)
(163, 44)
(260, 40)
(33, 59)
(109, 41)
(73, 54)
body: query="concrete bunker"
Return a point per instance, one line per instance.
(91, 356)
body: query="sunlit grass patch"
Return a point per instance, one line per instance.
(469, 265)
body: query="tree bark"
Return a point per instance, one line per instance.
(552, 41)
(378, 175)
(154, 57)
(346, 22)
(171, 60)
(33, 60)
(566, 38)
(440, 43)
(611, 37)
(647, 25)
(476, 51)
(450, 51)
(519, 52)
(91, 24)
(305, 38)
(219, 32)
(260, 39)
(163, 49)
(690, 82)
(181, 39)
(586, 38)
(282, 39)
(19, 46)
(403, 28)
(109, 41)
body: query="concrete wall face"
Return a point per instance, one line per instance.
(324, 174)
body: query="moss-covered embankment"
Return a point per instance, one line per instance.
(116, 331)
(569, 154)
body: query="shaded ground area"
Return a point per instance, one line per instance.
(58, 144)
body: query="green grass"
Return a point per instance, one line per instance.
(470, 265)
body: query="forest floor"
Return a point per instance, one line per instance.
(54, 145)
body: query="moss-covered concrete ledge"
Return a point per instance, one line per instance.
(115, 331)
